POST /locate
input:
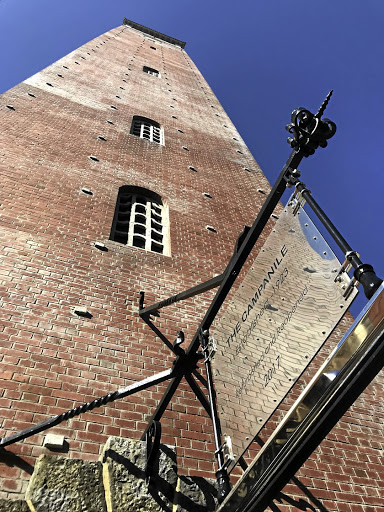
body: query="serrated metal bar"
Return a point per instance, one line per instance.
(89, 406)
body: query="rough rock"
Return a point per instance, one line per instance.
(13, 506)
(66, 485)
(124, 477)
(196, 494)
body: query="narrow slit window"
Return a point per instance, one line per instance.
(147, 129)
(141, 220)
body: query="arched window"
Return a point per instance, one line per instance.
(147, 129)
(141, 220)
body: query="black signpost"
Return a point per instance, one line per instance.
(308, 132)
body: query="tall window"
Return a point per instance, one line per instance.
(147, 129)
(141, 220)
(151, 71)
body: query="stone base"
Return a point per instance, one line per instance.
(124, 478)
(66, 485)
(13, 506)
(195, 494)
(116, 484)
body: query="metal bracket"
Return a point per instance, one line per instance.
(210, 350)
(298, 197)
(344, 269)
(177, 344)
(364, 273)
(227, 450)
(152, 438)
(346, 266)
(353, 284)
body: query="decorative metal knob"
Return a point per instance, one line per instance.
(308, 130)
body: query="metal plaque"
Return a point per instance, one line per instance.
(342, 377)
(285, 308)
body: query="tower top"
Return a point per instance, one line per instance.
(154, 33)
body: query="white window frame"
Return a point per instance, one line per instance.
(148, 225)
(147, 129)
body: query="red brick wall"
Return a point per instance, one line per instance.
(51, 359)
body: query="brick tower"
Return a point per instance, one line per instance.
(121, 172)
(120, 143)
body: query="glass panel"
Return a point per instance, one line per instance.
(136, 128)
(125, 199)
(157, 228)
(141, 219)
(156, 209)
(156, 218)
(140, 208)
(156, 225)
(138, 241)
(139, 229)
(122, 225)
(123, 215)
(156, 134)
(155, 247)
(156, 237)
(121, 237)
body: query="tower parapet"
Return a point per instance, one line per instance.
(154, 33)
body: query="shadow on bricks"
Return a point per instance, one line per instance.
(13, 460)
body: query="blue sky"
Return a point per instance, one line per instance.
(262, 58)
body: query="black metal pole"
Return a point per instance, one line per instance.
(89, 406)
(191, 292)
(199, 394)
(222, 473)
(240, 257)
(230, 274)
(164, 402)
(364, 272)
(214, 282)
(158, 333)
(309, 132)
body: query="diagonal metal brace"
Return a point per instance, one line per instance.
(158, 333)
(89, 406)
(191, 292)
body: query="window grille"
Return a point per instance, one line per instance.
(141, 220)
(151, 71)
(147, 129)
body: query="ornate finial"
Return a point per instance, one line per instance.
(310, 131)
(324, 105)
